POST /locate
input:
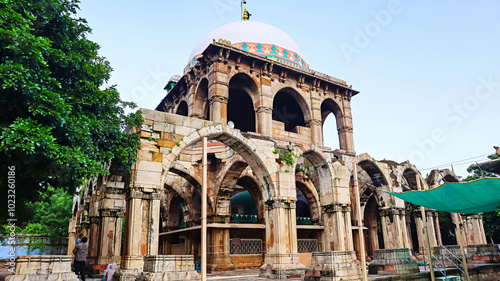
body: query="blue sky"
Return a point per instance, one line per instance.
(428, 72)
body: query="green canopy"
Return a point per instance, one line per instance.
(479, 196)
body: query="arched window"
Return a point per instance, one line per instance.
(286, 109)
(182, 109)
(201, 105)
(330, 114)
(240, 109)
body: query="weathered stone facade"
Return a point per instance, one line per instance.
(43, 268)
(301, 191)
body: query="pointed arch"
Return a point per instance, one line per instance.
(240, 106)
(182, 108)
(262, 166)
(291, 108)
(200, 104)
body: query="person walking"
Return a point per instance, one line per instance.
(80, 252)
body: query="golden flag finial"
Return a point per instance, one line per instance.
(246, 14)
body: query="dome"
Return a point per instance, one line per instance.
(254, 37)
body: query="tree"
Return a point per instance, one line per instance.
(491, 220)
(59, 122)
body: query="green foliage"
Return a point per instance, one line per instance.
(491, 220)
(447, 228)
(276, 151)
(59, 121)
(52, 215)
(287, 156)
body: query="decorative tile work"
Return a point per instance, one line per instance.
(270, 51)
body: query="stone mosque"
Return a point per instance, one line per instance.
(278, 199)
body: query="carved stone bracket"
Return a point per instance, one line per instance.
(220, 99)
(315, 122)
(264, 109)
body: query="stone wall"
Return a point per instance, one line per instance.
(42, 268)
(333, 266)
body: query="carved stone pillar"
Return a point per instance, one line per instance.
(420, 231)
(264, 120)
(392, 227)
(282, 259)
(344, 125)
(218, 92)
(316, 131)
(141, 229)
(473, 230)
(337, 222)
(72, 235)
(431, 228)
(315, 123)
(218, 245)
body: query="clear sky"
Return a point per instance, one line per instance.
(428, 72)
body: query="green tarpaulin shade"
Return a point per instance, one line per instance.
(471, 197)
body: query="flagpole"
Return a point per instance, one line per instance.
(204, 213)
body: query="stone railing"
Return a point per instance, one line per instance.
(393, 261)
(484, 253)
(41, 268)
(168, 267)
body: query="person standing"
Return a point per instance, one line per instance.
(80, 252)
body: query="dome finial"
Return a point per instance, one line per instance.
(246, 14)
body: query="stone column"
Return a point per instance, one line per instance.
(337, 223)
(94, 230)
(218, 92)
(438, 228)
(315, 123)
(316, 131)
(72, 235)
(141, 230)
(404, 231)
(112, 212)
(431, 228)
(218, 254)
(419, 225)
(481, 229)
(264, 108)
(264, 120)
(474, 231)
(392, 228)
(455, 219)
(344, 126)
(282, 259)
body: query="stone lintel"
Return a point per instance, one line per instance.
(280, 203)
